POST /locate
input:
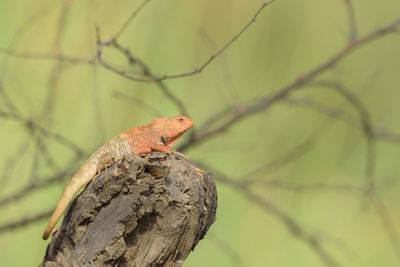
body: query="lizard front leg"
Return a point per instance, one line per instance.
(104, 162)
(160, 147)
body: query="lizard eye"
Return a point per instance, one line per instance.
(180, 119)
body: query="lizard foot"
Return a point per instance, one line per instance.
(179, 154)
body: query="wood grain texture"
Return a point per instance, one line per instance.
(148, 210)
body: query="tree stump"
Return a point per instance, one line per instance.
(147, 210)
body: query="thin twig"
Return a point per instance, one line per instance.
(198, 70)
(281, 160)
(226, 248)
(324, 109)
(34, 167)
(339, 114)
(226, 73)
(16, 39)
(290, 223)
(129, 20)
(387, 224)
(138, 102)
(11, 164)
(215, 55)
(46, 132)
(314, 187)
(144, 69)
(25, 221)
(387, 136)
(352, 21)
(57, 69)
(41, 147)
(367, 128)
(62, 58)
(37, 185)
(148, 73)
(7, 100)
(263, 104)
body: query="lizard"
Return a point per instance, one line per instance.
(160, 135)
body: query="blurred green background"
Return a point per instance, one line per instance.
(288, 39)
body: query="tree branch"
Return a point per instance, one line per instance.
(198, 70)
(263, 104)
(150, 210)
(290, 223)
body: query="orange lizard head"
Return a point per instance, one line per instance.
(173, 128)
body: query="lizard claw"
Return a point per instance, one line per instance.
(179, 154)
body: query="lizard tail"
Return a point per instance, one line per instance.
(79, 180)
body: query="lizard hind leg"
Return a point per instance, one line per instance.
(104, 162)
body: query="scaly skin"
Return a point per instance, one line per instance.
(160, 135)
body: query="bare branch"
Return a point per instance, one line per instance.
(387, 136)
(20, 31)
(34, 167)
(11, 163)
(341, 245)
(215, 55)
(213, 119)
(226, 248)
(138, 102)
(290, 223)
(288, 157)
(263, 104)
(25, 221)
(355, 102)
(367, 128)
(301, 188)
(42, 149)
(148, 73)
(181, 75)
(7, 100)
(282, 160)
(62, 58)
(129, 20)
(387, 224)
(227, 76)
(324, 109)
(352, 21)
(48, 133)
(37, 185)
(122, 73)
(145, 70)
(58, 68)
(339, 114)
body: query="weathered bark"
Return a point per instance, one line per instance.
(148, 210)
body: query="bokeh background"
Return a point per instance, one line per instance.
(307, 156)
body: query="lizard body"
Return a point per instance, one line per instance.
(160, 135)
